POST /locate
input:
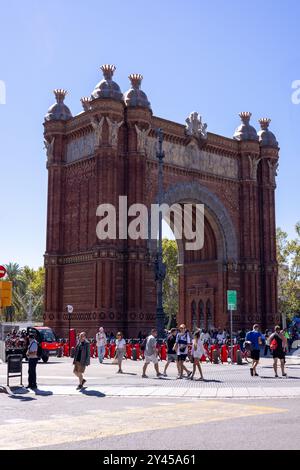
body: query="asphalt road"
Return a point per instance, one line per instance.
(149, 414)
(148, 423)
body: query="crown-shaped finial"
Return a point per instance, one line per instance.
(86, 103)
(136, 80)
(245, 116)
(60, 94)
(264, 123)
(108, 71)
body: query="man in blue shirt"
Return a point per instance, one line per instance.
(255, 338)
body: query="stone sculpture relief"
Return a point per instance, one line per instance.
(273, 171)
(49, 147)
(113, 131)
(191, 157)
(97, 126)
(142, 135)
(253, 162)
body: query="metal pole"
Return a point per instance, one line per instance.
(69, 335)
(29, 313)
(231, 336)
(160, 271)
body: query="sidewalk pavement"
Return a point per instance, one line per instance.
(221, 381)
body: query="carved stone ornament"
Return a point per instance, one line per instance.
(273, 171)
(191, 157)
(49, 147)
(195, 127)
(98, 126)
(253, 162)
(113, 128)
(142, 136)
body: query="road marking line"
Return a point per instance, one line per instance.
(122, 422)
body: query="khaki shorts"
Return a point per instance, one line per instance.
(152, 358)
(78, 368)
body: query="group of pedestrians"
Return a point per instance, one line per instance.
(277, 343)
(181, 344)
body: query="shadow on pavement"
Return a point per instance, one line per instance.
(22, 398)
(42, 393)
(128, 373)
(92, 393)
(212, 380)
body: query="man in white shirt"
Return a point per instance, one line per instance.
(151, 354)
(101, 341)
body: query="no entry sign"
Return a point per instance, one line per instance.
(2, 271)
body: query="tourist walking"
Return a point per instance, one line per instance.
(254, 337)
(32, 354)
(172, 356)
(81, 358)
(151, 354)
(101, 341)
(267, 343)
(183, 340)
(277, 346)
(120, 351)
(197, 352)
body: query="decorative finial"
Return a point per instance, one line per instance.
(245, 116)
(136, 80)
(195, 127)
(86, 103)
(108, 71)
(60, 94)
(264, 123)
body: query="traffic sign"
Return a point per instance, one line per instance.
(2, 271)
(232, 299)
(70, 309)
(5, 293)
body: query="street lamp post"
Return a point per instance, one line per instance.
(70, 311)
(160, 268)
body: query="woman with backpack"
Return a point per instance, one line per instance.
(277, 347)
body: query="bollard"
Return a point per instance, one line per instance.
(234, 353)
(239, 357)
(112, 351)
(163, 352)
(134, 354)
(60, 351)
(138, 351)
(215, 356)
(72, 352)
(224, 353)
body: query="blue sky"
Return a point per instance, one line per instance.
(215, 57)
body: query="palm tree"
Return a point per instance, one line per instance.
(14, 274)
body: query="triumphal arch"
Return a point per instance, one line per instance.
(109, 150)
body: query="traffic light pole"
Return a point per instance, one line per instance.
(160, 269)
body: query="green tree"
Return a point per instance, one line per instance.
(170, 285)
(27, 294)
(288, 257)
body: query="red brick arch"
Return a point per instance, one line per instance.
(111, 283)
